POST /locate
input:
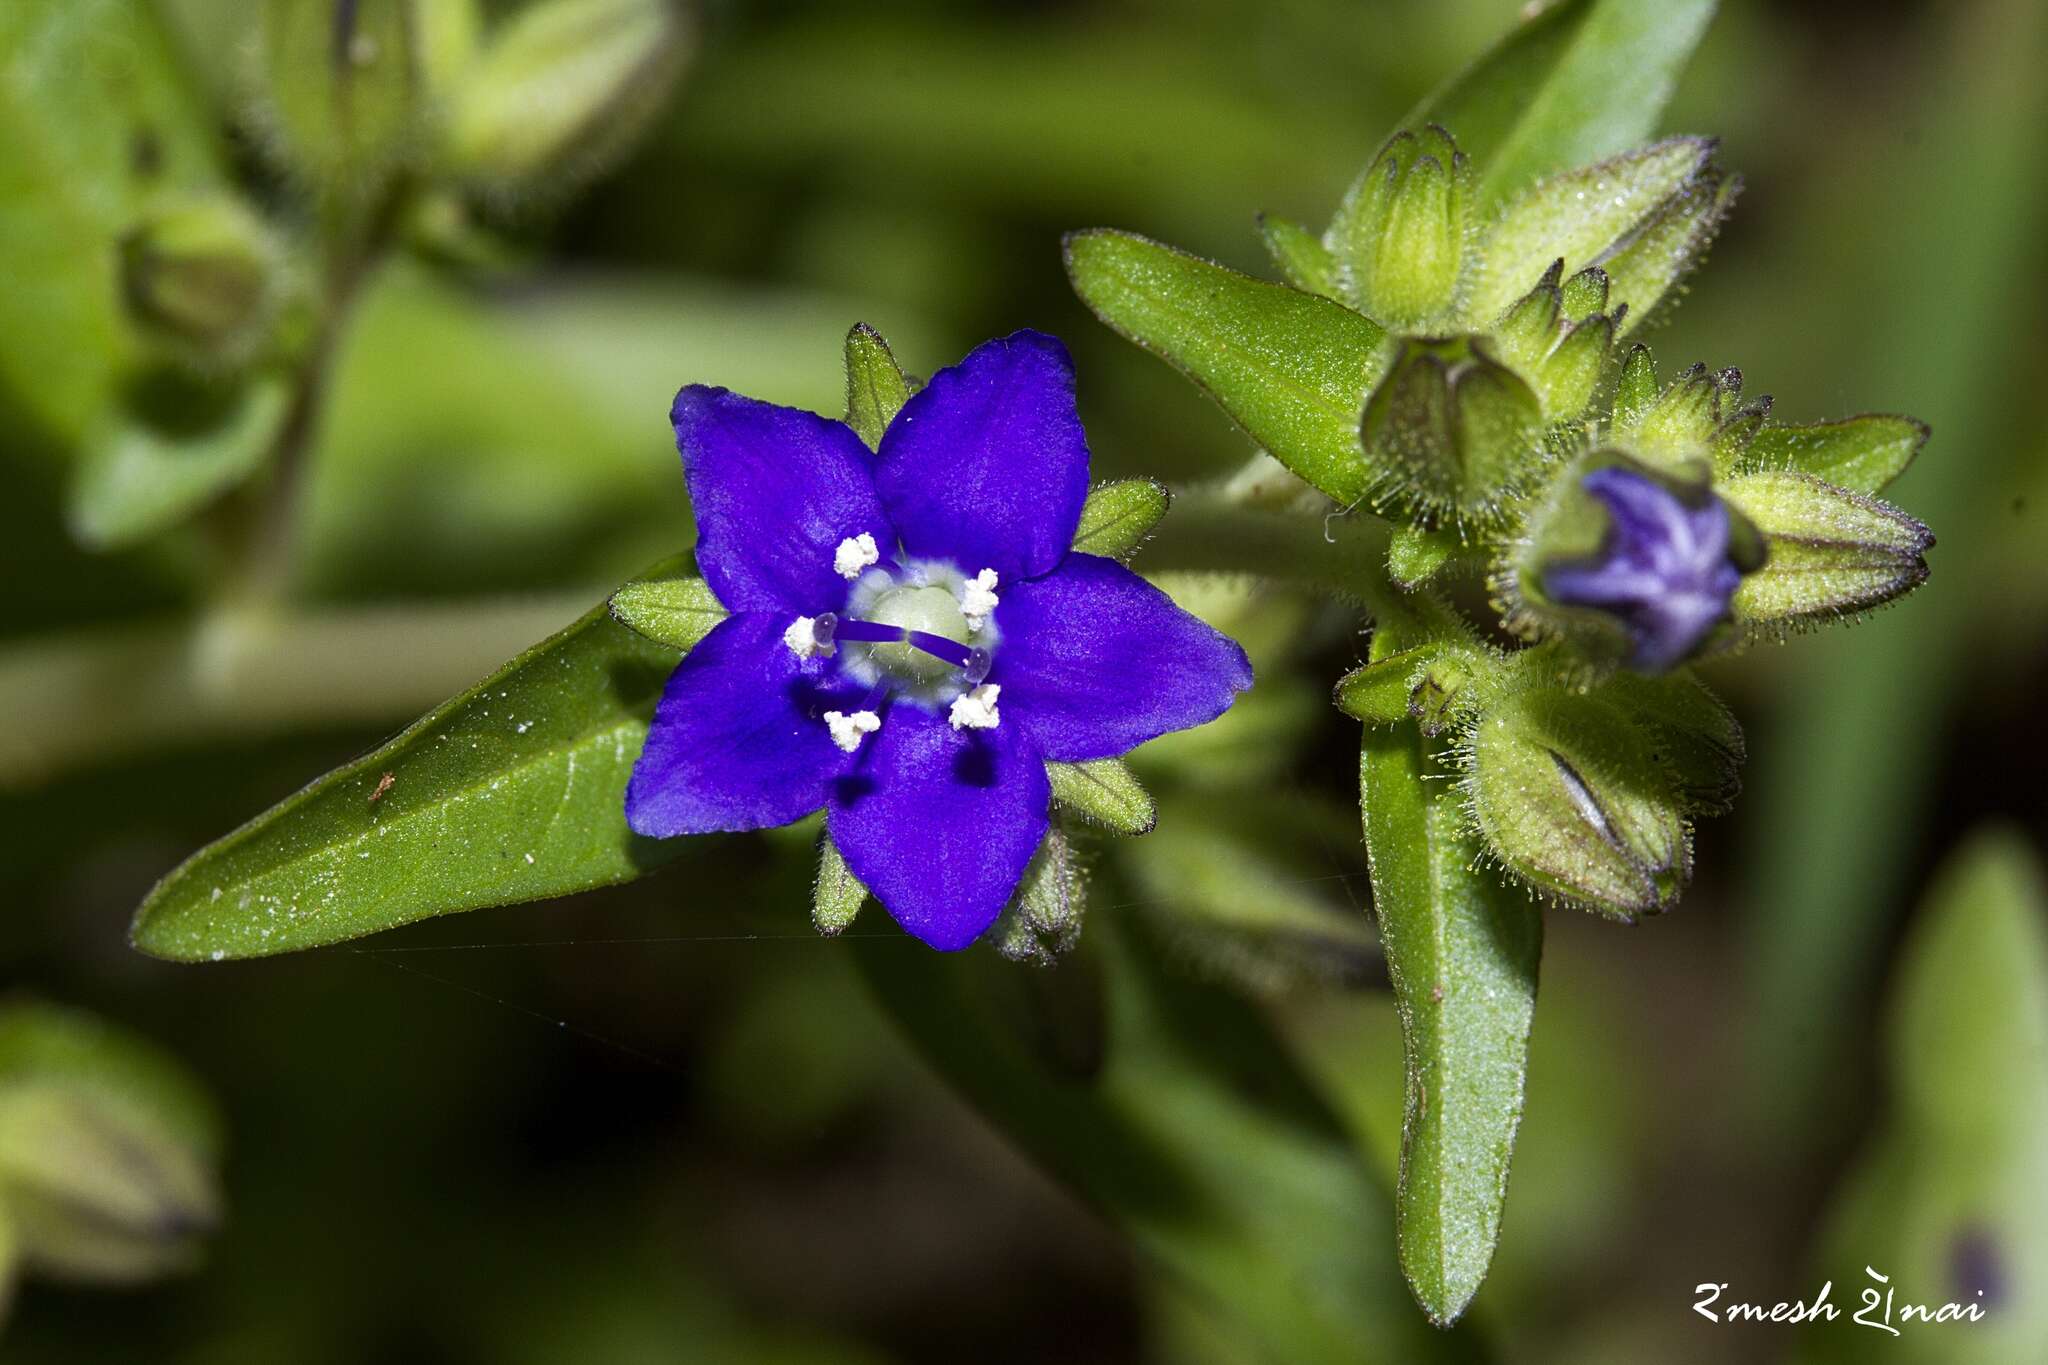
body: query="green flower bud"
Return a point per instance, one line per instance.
(1401, 232)
(1646, 270)
(1834, 554)
(1695, 418)
(1567, 792)
(341, 79)
(1043, 921)
(202, 275)
(1452, 432)
(1430, 684)
(1559, 341)
(1693, 737)
(106, 1154)
(562, 88)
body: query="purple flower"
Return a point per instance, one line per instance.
(910, 638)
(1663, 569)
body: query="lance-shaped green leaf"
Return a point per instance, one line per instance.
(1291, 368)
(1950, 1202)
(1861, 454)
(1301, 256)
(838, 895)
(151, 471)
(1832, 553)
(669, 607)
(1118, 517)
(1578, 216)
(513, 791)
(876, 387)
(1194, 1135)
(1462, 947)
(1578, 81)
(1106, 791)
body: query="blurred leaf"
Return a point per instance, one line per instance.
(1861, 454)
(1196, 1137)
(1106, 791)
(1462, 946)
(512, 791)
(1581, 80)
(96, 117)
(671, 608)
(1951, 1202)
(1118, 517)
(1577, 216)
(1291, 368)
(838, 895)
(143, 476)
(876, 388)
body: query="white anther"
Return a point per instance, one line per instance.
(978, 598)
(854, 554)
(802, 639)
(848, 731)
(976, 709)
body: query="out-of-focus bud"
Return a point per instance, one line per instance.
(1402, 232)
(106, 1153)
(342, 82)
(1631, 563)
(560, 90)
(1043, 921)
(1452, 433)
(1583, 216)
(202, 274)
(1833, 554)
(1560, 341)
(1567, 793)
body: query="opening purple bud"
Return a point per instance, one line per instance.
(1663, 569)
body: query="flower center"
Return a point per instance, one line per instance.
(927, 619)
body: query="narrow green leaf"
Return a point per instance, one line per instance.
(1301, 256)
(146, 476)
(1106, 791)
(1861, 454)
(876, 387)
(673, 609)
(513, 791)
(1462, 948)
(1579, 81)
(1578, 216)
(838, 895)
(1195, 1136)
(1290, 368)
(1118, 516)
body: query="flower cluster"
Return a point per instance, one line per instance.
(912, 638)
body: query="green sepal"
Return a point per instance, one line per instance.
(1693, 735)
(1291, 368)
(1042, 923)
(837, 896)
(1401, 232)
(1416, 554)
(1106, 791)
(1453, 432)
(1579, 217)
(1462, 949)
(1569, 795)
(1119, 516)
(670, 607)
(1646, 271)
(1833, 554)
(1861, 454)
(1301, 257)
(341, 89)
(1430, 684)
(876, 387)
(1696, 417)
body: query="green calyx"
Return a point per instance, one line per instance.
(1401, 237)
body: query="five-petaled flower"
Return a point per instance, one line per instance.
(1664, 568)
(911, 638)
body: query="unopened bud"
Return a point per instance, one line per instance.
(202, 274)
(342, 80)
(1833, 553)
(1401, 232)
(564, 86)
(1567, 794)
(1452, 432)
(1043, 920)
(1559, 341)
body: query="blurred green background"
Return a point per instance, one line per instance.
(665, 1122)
